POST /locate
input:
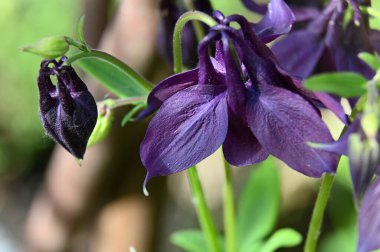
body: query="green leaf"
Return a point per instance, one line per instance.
(122, 81)
(372, 60)
(259, 204)
(282, 238)
(345, 84)
(131, 113)
(80, 29)
(190, 240)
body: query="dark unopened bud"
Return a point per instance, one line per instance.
(68, 111)
(49, 48)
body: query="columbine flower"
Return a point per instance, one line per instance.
(253, 110)
(325, 45)
(68, 111)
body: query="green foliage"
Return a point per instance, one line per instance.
(344, 84)
(258, 204)
(190, 240)
(119, 81)
(258, 208)
(102, 127)
(372, 60)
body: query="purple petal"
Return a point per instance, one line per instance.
(284, 122)
(305, 13)
(299, 52)
(241, 147)
(167, 88)
(190, 126)
(277, 21)
(369, 219)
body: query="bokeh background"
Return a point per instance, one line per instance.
(50, 204)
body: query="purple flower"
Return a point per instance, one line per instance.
(68, 111)
(363, 153)
(369, 219)
(325, 45)
(251, 108)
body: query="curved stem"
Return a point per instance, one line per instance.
(203, 211)
(177, 45)
(111, 60)
(318, 213)
(229, 210)
(127, 101)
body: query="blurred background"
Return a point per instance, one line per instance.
(50, 204)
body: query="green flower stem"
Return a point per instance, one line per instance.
(318, 213)
(229, 210)
(111, 60)
(177, 45)
(127, 101)
(81, 46)
(203, 211)
(199, 200)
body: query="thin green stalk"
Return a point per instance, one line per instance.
(318, 213)
(229, 210)
(203, 211)
(177, 45)
(199, 200)
(112, 60)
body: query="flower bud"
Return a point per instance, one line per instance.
(68, 111)
(103, 126)
(49, 48)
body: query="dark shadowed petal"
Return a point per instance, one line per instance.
(277, 21)
(284, 122)
(369, 219)
(241, 146)
(167, 88)
(190, 126)
(305, 13)
(299, 52)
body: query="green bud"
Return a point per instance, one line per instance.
(102, 127)
(49, 48)
(370, 125)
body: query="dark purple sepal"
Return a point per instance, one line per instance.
(241, 147)
(284, 123)
(369, 219)
(333, 105)
(278, 20)
(68, 111)
(166, 88)
(190, 125)
(299, 52)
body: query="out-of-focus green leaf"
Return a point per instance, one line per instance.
(372, 60)
(80, 30)
(118, 81)
(345, 84)
(282, 238)
(191, 240)
(258, 204)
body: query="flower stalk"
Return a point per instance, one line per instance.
(229, 210)
(199, 200)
